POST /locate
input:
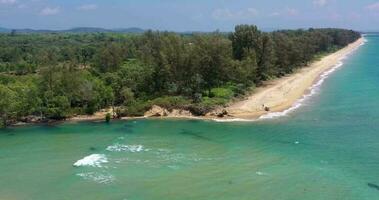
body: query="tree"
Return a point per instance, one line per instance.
(246, 38)
(212, 59)
(56, 107)
(7, 100)
(109, 58)
(266, 67)
(127, 96)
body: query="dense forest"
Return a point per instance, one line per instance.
(55, 76)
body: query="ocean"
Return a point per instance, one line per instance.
(326, 148)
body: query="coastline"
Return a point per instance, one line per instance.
(280, 95)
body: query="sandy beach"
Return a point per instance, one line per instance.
(281, 94)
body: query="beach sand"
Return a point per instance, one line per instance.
(281, 94)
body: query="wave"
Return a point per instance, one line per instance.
(261, 173)
(94, 160)
(97, 177)
(234, 120)
(129, 148)
(313, 89)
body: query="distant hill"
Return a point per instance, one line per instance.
(129, 30)
(77, 30)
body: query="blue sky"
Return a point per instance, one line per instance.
(189, 15)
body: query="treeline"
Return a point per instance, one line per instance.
(55, 76)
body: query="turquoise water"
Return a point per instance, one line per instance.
(327, 149)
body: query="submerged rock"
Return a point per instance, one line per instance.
(372, 185)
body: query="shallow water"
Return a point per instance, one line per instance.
(327, 149)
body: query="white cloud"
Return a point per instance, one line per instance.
(226, 14)
(274, 14)
(291, 12)
(285, 12)
(8, 2)
(373, 7)
(320, 3)
(87, 7)
(50, 11)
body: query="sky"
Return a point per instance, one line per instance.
(190, 15)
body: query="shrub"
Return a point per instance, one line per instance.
(108, 117)
(226, 93)
(171, 102)
(212, 102)
(137, 108)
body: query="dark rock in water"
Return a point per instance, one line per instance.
(92, 148)
(230, 182)
(372, 185)
(196, 135)
(127, 128)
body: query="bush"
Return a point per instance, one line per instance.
(90, 108)
(226, 93)
(137, 108)
(171, 102)
(212, 102)
(108, 117)
(206, 105)
(58, 107)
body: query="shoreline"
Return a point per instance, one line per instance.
(280, 95)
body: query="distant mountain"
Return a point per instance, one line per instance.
(78, 30)
(27, 30)
(129, 30)
(87, 30)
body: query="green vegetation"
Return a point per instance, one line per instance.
(55, 76)
(108, 117)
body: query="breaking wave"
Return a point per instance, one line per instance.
(94, 160)
(97, 177)
(128, 148)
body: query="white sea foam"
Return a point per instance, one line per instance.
(261, 173)
(97, 177)
(124, 147)
(234, 120)
(314, 89)
(94, 160)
